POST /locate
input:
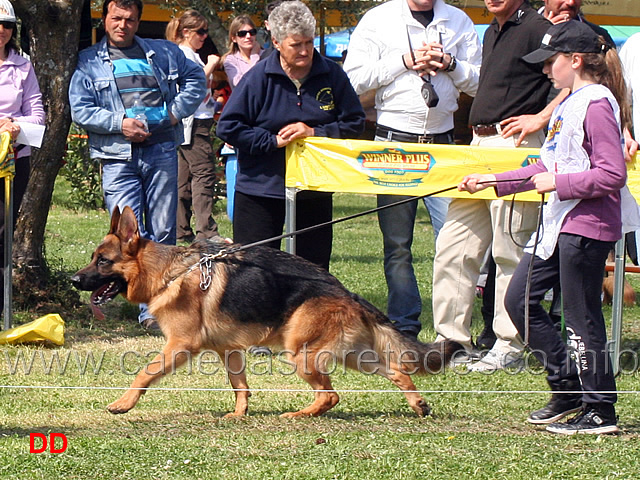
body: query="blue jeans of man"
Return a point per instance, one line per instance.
(404, 304)
(148, 184)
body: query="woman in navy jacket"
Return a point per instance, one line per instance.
(293, 93)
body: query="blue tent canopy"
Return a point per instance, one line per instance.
(335, 43)
(338, 42)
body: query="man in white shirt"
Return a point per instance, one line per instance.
(393, 46)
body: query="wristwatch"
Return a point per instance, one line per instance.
(452, 64)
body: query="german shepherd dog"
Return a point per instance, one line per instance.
(256, 296)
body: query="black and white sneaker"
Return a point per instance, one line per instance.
(561, 405)
(593, 419)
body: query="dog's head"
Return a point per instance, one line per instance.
(109, 272)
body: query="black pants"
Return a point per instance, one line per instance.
(578, 263)
(258, 218)
(20, 180)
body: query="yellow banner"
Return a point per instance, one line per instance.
(6, 156)
(589, 7)
(361, 166)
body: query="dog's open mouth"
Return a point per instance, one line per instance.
(106, 293)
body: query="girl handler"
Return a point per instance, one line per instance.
(582, 168)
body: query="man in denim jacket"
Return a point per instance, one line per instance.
(139, 161)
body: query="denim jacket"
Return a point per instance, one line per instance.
(96, 104)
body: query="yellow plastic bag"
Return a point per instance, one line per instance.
(50, 327)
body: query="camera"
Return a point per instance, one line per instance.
(429, 94)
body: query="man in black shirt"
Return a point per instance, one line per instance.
(508, 88)
(557, 11)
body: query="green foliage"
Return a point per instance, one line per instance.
(349, 9)
(82, 172)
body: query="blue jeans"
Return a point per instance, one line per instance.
(404, 304)
(148, 184)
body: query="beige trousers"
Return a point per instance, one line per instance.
(471, 227)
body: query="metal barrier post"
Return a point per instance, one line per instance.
(8, 249)
(616, 305)
(290, 218)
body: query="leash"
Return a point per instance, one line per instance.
(206, 259)
(527, 288)
(374, 210)
(246, 246)
(338, 220)
(536, 241)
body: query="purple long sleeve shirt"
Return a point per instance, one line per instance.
(598, 215)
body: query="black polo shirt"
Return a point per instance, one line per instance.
(508, 85)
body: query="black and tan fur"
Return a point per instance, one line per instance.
(258, 296)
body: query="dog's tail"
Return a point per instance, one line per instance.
(412, 356)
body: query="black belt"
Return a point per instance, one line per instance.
(395, 135)
(208, 122)
(487, 130)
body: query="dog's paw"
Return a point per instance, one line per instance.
(119, 406)
(422, 409)
(300, 414)
(233, 415)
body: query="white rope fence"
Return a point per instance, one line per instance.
(304, 390)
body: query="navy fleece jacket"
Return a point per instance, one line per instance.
(266, 99)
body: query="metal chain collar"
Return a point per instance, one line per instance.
(205, 264)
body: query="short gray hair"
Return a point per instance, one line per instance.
(291, 18)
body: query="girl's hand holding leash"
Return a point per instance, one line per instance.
(475, 182)
(545, 182)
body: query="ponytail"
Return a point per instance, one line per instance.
(606, 69)
(171, 32)
(191, 19)
(618, 86)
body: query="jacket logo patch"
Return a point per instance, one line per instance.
(325, 99)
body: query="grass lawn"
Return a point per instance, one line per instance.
(477, 431)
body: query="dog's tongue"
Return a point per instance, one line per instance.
(97, 312)
(94, 308)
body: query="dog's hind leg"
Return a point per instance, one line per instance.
(236, 366)
(325, 396)
(172, 356)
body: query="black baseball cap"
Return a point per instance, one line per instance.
(566, 37)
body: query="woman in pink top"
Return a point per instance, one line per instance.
(20, 102)
(244, 51)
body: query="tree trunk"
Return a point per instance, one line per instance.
(53, 27)
(218, 32)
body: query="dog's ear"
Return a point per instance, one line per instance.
(115, 219)
(127, 229)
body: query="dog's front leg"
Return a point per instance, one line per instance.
(236, 369)
(171, 357)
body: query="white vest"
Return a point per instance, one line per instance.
(563, 153)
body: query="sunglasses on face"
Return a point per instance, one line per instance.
(243, 33)
(202, 31)
(8, 25)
